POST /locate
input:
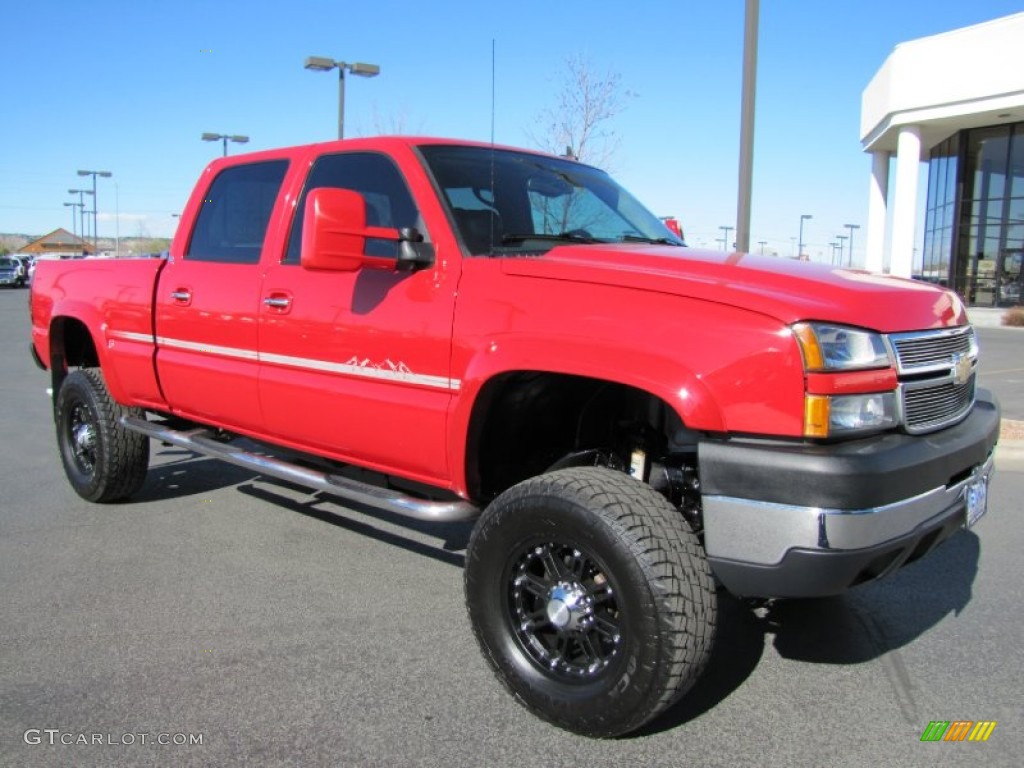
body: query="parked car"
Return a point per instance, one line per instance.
(12, 272)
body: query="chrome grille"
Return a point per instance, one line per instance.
(937, 371)
(928, 408)
(932, 349)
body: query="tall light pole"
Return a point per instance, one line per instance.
(225, 137)
(74, 215)
(95, 206)
(747, 126)
(800, 248)
(117, 222)
(725, 237)
(841, 239)
(324, 64)
(81, 204)
(833, 245)
(851, 227)
(762, 243)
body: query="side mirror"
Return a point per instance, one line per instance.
(334, 232)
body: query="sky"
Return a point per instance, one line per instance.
(129, 87)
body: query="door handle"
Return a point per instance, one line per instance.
(182, 295)
(278, 302)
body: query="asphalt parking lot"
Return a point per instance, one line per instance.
(287, 629)
(1001, 367)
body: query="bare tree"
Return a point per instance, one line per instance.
(399, 123)
(577, 123)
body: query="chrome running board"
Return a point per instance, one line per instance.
(199, 441)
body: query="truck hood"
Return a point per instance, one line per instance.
(784, 289)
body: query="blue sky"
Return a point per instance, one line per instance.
(129, 87)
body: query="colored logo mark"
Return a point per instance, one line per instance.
(958, 730)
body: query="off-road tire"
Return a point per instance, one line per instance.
(103, 461)
(591, 598)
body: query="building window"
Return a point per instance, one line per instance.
(940, 211)
(974, 240)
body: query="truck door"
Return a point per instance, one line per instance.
(356, 364)
(207, 301)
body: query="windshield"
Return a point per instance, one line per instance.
(8, 264)
(504, 202)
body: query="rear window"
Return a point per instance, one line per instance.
(232, 222)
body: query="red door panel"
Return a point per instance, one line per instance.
(357, 365)
(206, 327)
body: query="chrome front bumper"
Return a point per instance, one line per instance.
(762, 533)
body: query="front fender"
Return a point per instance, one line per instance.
(658, 375)
(722, 368)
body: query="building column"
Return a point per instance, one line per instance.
(904, 214)
(878, 194)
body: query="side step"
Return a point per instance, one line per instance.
(198, 440)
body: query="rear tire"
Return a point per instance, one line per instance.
(103, 461)
(591, 598)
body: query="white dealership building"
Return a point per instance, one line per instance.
(955, 101)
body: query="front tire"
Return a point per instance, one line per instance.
(591, 598)
(103, 461)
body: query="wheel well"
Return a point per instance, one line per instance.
(71, 345)
(528, 422)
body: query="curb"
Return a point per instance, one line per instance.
(985, 317)
(1010, 450)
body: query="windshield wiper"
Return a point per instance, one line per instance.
(562, 237)
(629, 238)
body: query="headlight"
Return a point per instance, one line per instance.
(838, 348)
(832, 415)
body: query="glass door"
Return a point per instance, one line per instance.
(1009, 278)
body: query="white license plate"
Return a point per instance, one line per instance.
(977, 498)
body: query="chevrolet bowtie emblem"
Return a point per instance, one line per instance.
(962, 368)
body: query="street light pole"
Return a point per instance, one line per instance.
(325, 64)
(95, 206)
(81, 205)
(747, 126)
(851, 227)
(800, 249)
(841, 239)
(762, 243)
(74, 215)
(725, 237)
(341, 101)
(225, 137)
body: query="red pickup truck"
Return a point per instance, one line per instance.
(451, 330)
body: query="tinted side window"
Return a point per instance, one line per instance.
(388, 200)
(232, 223)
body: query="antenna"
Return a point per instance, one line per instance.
(492, 90)
(493, 201)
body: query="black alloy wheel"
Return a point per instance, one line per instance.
(591, 598)
(103, 461)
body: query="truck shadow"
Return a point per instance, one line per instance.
(455, 536)
(183, 473)
(860, 626)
